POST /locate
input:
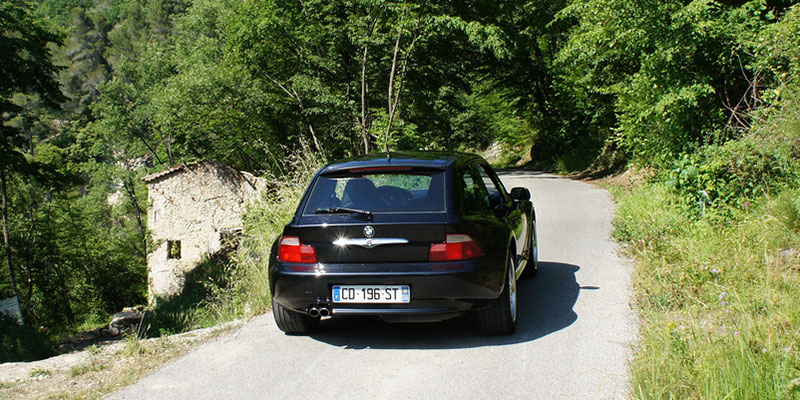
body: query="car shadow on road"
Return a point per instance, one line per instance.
(545, 306)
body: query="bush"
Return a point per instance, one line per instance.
(742, 171)
(732, 174)
(22, 342)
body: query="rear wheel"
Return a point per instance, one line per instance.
(500, 318)
(293, 322)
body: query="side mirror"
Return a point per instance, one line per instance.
(520, 194)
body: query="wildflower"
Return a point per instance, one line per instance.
(715, 271)
(746, 204)
(736, 334)
(724, 303)
(671, 325)
(722, 295)
(763, 349)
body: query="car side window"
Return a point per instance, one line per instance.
(495, 191)
(476, 197)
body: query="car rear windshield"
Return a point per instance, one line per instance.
(378, 192)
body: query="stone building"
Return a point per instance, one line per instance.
(193, 209)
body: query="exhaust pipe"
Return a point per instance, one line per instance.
(320, 308)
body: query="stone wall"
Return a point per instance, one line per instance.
(191, 208)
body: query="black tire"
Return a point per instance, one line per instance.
(293, 322)
(532, 268)
(500, 318)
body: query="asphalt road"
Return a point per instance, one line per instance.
(574, 339)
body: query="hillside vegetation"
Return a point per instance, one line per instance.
(700, 97)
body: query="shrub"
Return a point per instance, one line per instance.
(22, 342)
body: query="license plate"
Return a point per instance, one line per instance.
(371, 294)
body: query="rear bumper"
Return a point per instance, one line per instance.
(407, 314)
(438, 290)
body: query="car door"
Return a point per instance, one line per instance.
(482, 219)
(500, 201)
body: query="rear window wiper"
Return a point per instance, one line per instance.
(343, 210)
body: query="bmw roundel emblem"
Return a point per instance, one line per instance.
(369, 231)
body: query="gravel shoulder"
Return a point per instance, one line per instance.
(99, 370)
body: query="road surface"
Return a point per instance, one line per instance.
(573, 341)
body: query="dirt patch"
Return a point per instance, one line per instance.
(99, 370)
(629, 177)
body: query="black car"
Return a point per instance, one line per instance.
(418, 236)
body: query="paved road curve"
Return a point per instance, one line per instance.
(573, 340)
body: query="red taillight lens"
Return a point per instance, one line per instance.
(456, 247)
(291, 250)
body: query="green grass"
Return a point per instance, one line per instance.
(718, 295)
(37, 372)
(79, 370)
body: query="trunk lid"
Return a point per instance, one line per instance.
(388, 238)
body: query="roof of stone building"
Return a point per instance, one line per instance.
(181, 167)
(164, 173)
(156, 176)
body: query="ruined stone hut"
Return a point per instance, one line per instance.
(194, 209)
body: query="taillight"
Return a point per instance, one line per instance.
(292, 250)
(456, 247)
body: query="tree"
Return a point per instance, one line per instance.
(356, 67)
(661, 75)
(25, 67)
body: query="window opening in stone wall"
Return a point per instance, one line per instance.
(173, 249)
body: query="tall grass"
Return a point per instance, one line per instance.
(718, 296)
(263, 222)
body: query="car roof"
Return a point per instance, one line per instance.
(424, 159)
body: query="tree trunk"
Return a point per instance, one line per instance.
(364, 87)
(296, 97)
(364, 134)
(168, 146)
(394, 102)
(27, 266)
(137, 131)
(392, 73)
(140, 224)
(6, 242)
(317, 145)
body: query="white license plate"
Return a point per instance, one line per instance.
(371, 294)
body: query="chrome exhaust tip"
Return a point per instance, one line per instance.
(313, 312)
